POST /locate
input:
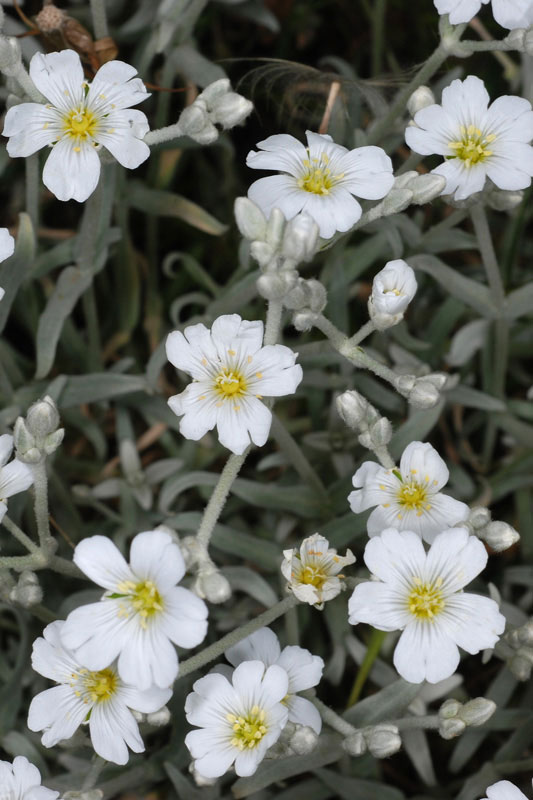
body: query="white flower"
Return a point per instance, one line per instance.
(504, 790)
(313, 571)
(420, 594)
(393, 288)
(15, 477)
(141, 613)
(78, 120)
(101, 698)
(7, 244)
(231, 373)
(319, 179)
(22, 781)
(478, 141)
(304, 670)
(407, 497)
(509, 14)
(238, 719)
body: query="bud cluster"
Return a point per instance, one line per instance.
(216, 105)
(210, 584)
(38, 435)
(455, 717)
(381, 741)
(521, 659)
(422, 392)
(498, 535)
(295, 740)
(27, 592)
(374, 430)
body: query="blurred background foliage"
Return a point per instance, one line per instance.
(167, 253)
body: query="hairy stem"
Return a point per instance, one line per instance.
(218, 498)
(99, 16)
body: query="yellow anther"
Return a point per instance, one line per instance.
(425, 600)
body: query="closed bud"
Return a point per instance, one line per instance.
(215, 91)
(10, 57)
(250, 219)
(353, 409)
(478, 517)
(303, 320)
(393, 288)
(477, 711)
(421, 98)
(138, 716)
(397, 200)
(404, 384)
(299, 297)
(230, 110)
(211, 585)
(300, 238)
(275, 285)
(194, 122)
(27, 592)
(450, 709)
(159, 718)
(318, 296)
(275, 228)
(303, 741)
(499, 536)
(525, 633)
(450, 728)
(520, 667)
(192, 551)
(355, 744)
(500, 200)
(403, 180)
(516, 39)
(32, 456)
(438, 379)
(383, 740)
(381, 432)
(424, 394)
(426, 188)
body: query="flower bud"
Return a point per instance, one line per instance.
(230, 110)
(22, 438)
(450, 709)
(250, 219)
(211, 585)
(393, 288)
(381, 432)
(303, 741)
(499, 536)
(53, 440)
(426, 188)
(300, 238)
(383, 740)
(192, 551)
(194, 122)
(138, 716)
(424, 394)
(404, 384)
(275, 285)
(10, 57)
(500, 200)
(521, 667)
(275, 228)
(158, 718)
(353, 409)
(303, 320)
(397, 200)
(478, 517)
(402, 181)
(355, 744)
(477, 711)
(42, 417)
(27, 592)
(450, 728)
(421, 98)
(525, 633)
(214, 92)
(263, 253)
(516, 39)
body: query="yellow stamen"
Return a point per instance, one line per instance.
(248, 730)
(472, 147)
(425, 600)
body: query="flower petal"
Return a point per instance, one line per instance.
(59, 76)
(113, 728)
(303, 712)
(378, 605)
(263, 645)
(15, 477)
(472, 621)
(100, 559)
(57, 712)
(395, 557)
(72, 174)
(278, 191)
(303, 668)
(30, 127)
(184, 619)
(154, 556)
(425, 652)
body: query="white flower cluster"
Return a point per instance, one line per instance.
(240, 712)
(117, 656)
(508, 13)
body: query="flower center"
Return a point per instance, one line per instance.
(412, 496)
(313, 575)
(317, 177)
(472, 147)
(144, 599)
(425, 600)
(80, 123)
(100, 686)
(230, 383)
(249, 730)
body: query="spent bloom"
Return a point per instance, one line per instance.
(504, 790)
(15, 477)
(421, 594)
(100, 698)
(313, 571)
(21, 780)
(303, 669)
(231, 373)
(407, 497)
(393, 288)
(238, 718)
(141, 613)
(509, 14)
(478, 141)
(78, 120)
(320, 179)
